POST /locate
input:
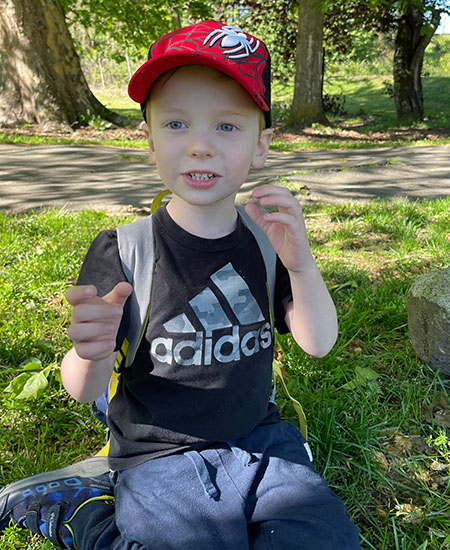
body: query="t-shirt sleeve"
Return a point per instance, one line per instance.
(103, 269)
(283, 295)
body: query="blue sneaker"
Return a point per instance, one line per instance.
(47, 503)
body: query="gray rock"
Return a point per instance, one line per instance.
(428, 304)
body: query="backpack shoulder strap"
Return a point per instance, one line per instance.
(268, 254)
(137, 254)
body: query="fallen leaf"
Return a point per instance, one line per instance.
(438, 466)
(441, 401)
(364, 376)
(442, 418)
(381, 513)
(398, 444)
(381, 459)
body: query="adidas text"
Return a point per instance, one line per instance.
(200, 351)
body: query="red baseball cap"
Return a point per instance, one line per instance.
(223, 47)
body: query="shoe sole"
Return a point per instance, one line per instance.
(88, 468)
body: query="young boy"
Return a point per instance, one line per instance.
(199, 454)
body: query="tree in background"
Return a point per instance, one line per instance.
(41, 80)
(40, 75)
(416, 22)
(307, 104)
(412, 23)
(293, 32)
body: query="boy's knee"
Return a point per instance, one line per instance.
(308, 534)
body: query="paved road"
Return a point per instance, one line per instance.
(78, 176)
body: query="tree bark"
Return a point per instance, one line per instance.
(307, 104)
(41, 80)
(410, 45)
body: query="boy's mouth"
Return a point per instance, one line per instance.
(201, 176)
(201, 180)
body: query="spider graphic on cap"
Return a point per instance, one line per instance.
(235, 38)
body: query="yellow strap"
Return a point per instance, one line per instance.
(278, 372)
(104, 450)
(156, 202)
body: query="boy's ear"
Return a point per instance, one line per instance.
(262, 148)
(151, 147)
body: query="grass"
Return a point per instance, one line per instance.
(378, 418)
(367, 95)
(20, 139)
(370, 117)
(119, 101)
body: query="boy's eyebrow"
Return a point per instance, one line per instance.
(219, 112)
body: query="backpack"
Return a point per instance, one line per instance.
(136, 244)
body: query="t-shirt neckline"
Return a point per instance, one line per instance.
(183, 237)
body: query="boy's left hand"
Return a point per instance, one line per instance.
(286, 228)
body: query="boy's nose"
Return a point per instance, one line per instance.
(200, 145)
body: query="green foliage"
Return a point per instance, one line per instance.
(397, 7)
(352, 28)
(358, 32)
(376, 414)
(368, 55)
(41, 428)
(437, 57)
(130, 26)
(273, 21)
(33, 380)
(94, 120)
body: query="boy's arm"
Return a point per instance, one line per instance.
(87, 367)
(83, 379)
(311, 316)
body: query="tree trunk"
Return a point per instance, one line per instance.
(307, 104)
(410, 44)
(41, 80)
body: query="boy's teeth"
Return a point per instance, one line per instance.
(200, 176)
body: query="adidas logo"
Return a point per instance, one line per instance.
(201, 347)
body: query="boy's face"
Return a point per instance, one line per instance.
(204, 135)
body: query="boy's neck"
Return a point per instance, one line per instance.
(208, 222)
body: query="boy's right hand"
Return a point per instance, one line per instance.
(95, 320)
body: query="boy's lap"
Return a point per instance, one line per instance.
(163, 505)
(221, 496)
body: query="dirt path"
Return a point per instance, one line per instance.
(78, 176)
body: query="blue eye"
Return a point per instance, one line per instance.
(227, 127)
(175, 125)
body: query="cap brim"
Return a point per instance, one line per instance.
(151, 70)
